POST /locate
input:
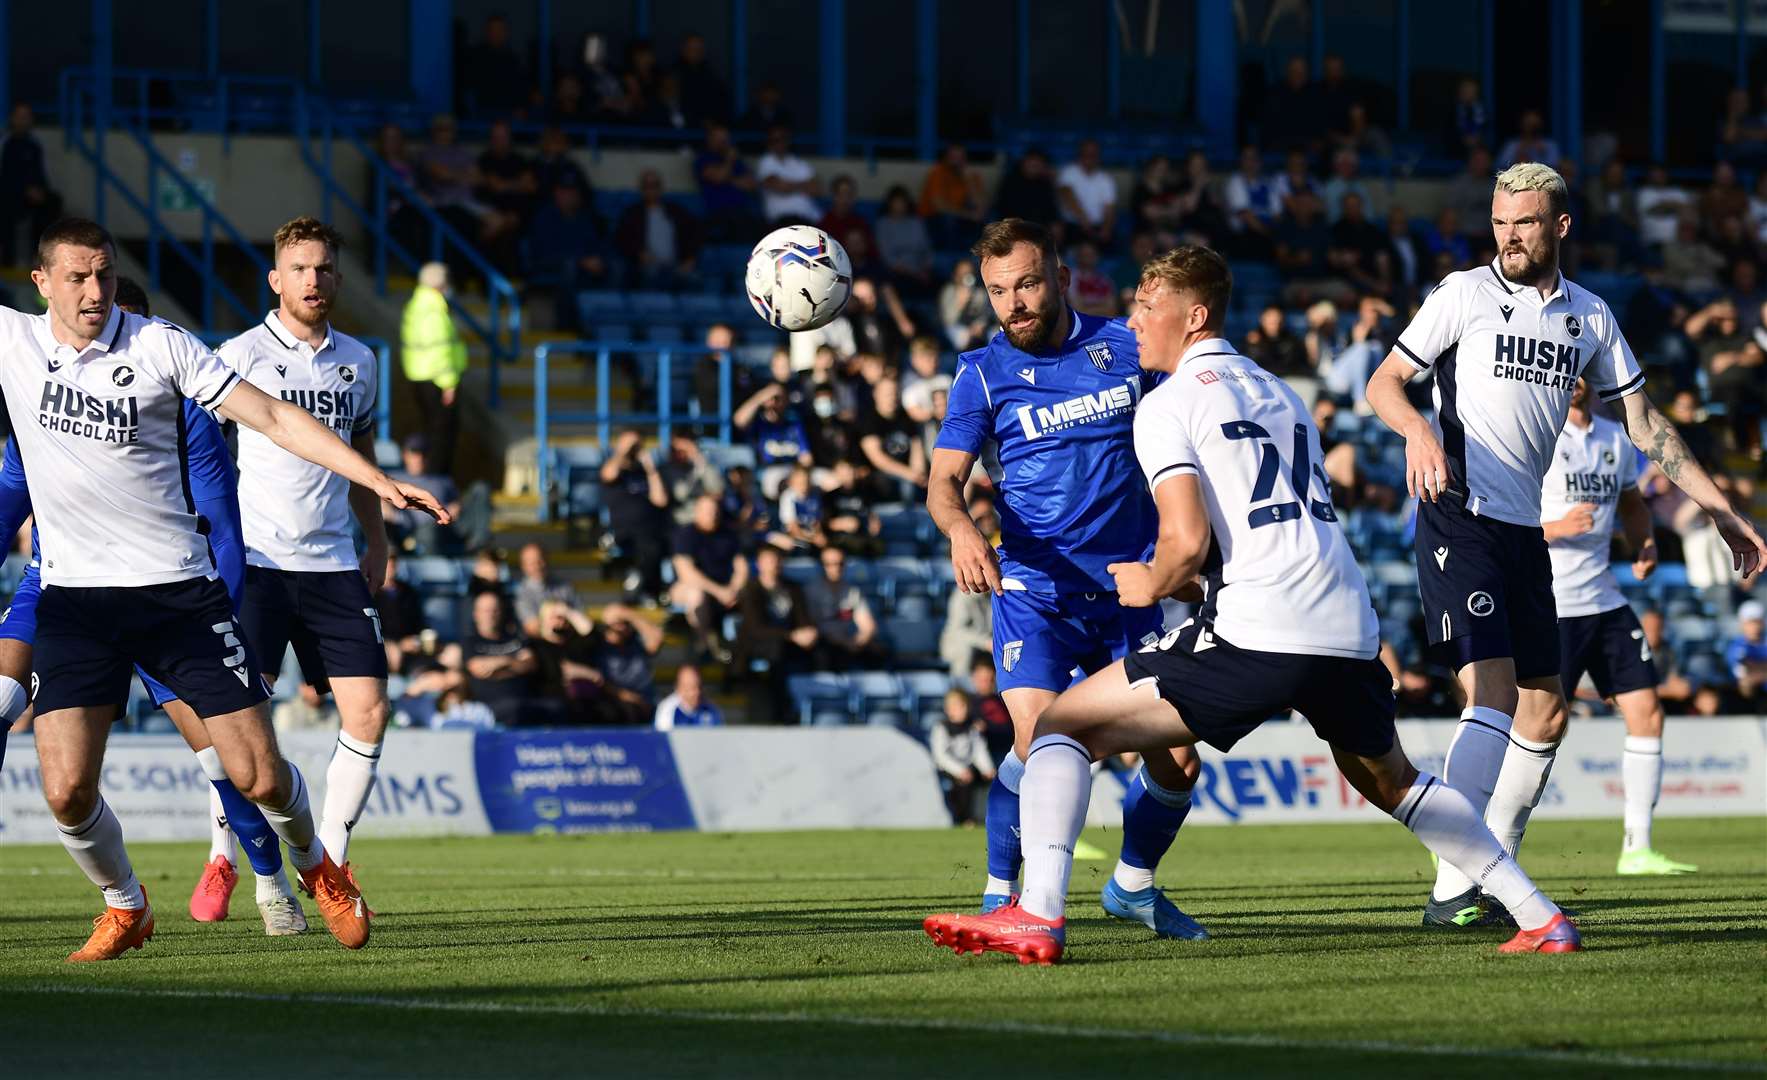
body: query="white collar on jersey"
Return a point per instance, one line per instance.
(289, 341)
(1214, 346)
(1558, 287)
(105, 341)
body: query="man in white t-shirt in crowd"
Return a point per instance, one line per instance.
(1592, 484)
(1507, 343)
(96, 398)
(687, 706)
(1088, 197)
(788, 183)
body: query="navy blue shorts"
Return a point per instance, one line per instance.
(183, 634)
(1040, 638)
(328, 616)
(1223, 693)
(19, 623)
(1487, 590)
(1611, 648)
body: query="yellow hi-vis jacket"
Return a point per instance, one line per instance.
(431, 348)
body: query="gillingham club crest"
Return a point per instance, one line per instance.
(1100, 352)
(1009, 654)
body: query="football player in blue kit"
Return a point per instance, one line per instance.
(1057, 391)
(215, 492)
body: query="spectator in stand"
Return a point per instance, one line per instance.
(687, 706)
(846, 629)
(951, 198)
(553, 166)
(500, 666)
(1028, 191)
(1468, 125)
(1407, 253)
(563, 650)
(1088, 197)
(426, 536)
(598, 87)
(1127, 276)
(447, 174)
(404, 221)
(1202, 209)
(742, 509)
(1275, 347)
(1303, 253)
(767, 110)
(1333, 98)
(637, 506)
(843, 218)
(659, 240)
(1742, 137)
(1253, 203)
(968, 633)
(704, 96)
(1725, 198)
(847, 518)
(1155, 204)
(642, 77)
(488, 573)
(879, 322)
(492, 73)
(989, 707)
(1346, 179)
(778, 436)
(709, 371)
(569, 104)
(1673, 687)
(25, 194)
(1530, 143)
(890, 441)
(1447, 237)
(622, 648)
(1346, 377)
(960, 753)
(567, 252)
(1090, 290)
(1296, 180)
(1736, 378)
(1746, 653)
(1690, 264)
(665, 109)
(709, 575)
(1469, 194)
(1360, 250)
(1660, 206)
(403, 627)
(773, 625)
(687, 475)
(788, 183)
(1292, 115)
(800, 514)
(537, 587)
(963, 308)
(726, 188)
(434, 360)
(506, 178)
(1612, 234)
(903, 244)
(922, 378)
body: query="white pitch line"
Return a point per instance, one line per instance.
(1174, 1038)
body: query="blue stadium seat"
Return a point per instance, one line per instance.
(444, 614)
(924, 694)
(651, 306)
(800, 571)
(433, 572)
(878, 698)
(386, 454)
(823, 697)
(913, 638)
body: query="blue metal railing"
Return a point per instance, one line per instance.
(214, 225)
(602, 415)
(316, 133)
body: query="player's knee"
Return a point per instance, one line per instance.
(71, 799)
(259, 783)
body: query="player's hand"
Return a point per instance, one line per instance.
(1426, 466)
(1191, 592)
(1748, 552)
(974, 564)
(1646, 560)
(1135, 584)
(1580, 520)
(374, 566)
(411, 497)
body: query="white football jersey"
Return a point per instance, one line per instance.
(1280, 576)
(1592, 465)
(296, 515)
(102, 434)
(1506, 362)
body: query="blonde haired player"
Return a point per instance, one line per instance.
(1507, 343)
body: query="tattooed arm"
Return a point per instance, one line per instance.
(1652, 432)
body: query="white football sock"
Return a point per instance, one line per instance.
(97, 847)
(996, 887)
(294, 824)
(1474, 758)
(1526, 765)
(220, 835)
(1447, 824)
(1052, 812)
(1641, 774)
(1012, 772)
(1132, 878)
(274, 887)
(348, 780)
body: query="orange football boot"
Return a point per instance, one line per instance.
(340, 902)
(116, 932)
(350, 876)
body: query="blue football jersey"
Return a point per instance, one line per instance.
(210, 483)
(1071, 496)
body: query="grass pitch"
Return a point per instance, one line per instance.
(756, 955)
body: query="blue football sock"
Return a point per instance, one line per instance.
(1151, 817)
(1005, 853)
(262, 849)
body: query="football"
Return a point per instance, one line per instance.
(799, 278)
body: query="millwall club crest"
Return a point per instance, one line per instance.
(1009, 654)
(347, 374)
(1573, 327)
(1100, 352)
